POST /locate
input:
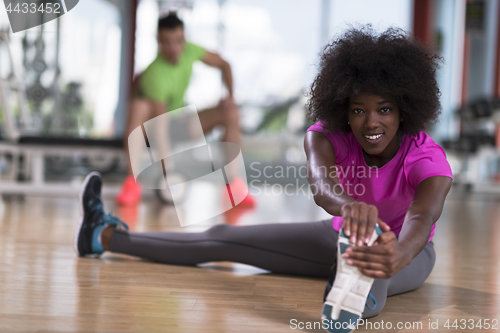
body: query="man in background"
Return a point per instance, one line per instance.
(161, 88)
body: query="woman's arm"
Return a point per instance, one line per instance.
(322, 174)
(425, 209)
(358, 218)
(389, 255)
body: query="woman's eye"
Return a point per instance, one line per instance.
(385, 110)
(357, 111)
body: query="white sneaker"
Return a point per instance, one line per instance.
(346, 301)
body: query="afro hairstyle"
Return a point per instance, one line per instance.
(391, 64)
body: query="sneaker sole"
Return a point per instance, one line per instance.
(80, 224)
(346, 300)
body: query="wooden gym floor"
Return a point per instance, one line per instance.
(45, 287)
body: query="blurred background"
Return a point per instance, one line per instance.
(66, 84)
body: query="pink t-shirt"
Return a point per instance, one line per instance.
(391, 187)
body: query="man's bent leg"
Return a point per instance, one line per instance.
(227, 114)
(140, 111)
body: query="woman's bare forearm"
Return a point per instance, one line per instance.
(425, 209)
(329, 195)
(322, 174)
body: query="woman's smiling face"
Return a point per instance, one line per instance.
(374, 121)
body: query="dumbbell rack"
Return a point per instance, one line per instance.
(476, 149)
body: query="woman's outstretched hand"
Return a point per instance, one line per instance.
(359, 219)
(381, 260)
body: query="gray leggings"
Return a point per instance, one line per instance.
(307, 249)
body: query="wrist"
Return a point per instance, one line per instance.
(406, 253)
(347, 201)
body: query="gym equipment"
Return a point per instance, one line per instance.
(475, 147)
(24, 152)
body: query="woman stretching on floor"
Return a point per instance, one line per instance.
(370, 166)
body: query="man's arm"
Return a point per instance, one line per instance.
(215, 60)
